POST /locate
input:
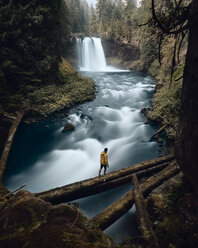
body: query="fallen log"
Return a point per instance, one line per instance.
(144, 223)
(123, 180)
(86, 187)
(159, 131)
(8, 144)
(113, 212)
(105, 186)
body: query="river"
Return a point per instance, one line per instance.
(44, 157)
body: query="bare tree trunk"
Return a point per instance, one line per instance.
(187, 134)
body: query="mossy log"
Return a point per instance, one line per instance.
(114, 211)
(8, 144)
(144, 223)
(98, 184)
(102, 187)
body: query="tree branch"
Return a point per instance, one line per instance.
(168, 31)
(173, 62)
(144, 24)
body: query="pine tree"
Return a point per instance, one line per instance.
(93, 22)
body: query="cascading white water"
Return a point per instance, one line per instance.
(91, 54)
(112, 120)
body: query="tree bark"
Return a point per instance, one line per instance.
(144, 223)
(8, 144)
(113, 212)
(98, 184)
(187, 133)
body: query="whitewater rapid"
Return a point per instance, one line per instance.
(44, 157)
(112, 120)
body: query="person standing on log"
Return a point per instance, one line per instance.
(104, 161)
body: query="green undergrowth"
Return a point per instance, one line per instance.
(166, 103)
(72, 88)
(116, 61)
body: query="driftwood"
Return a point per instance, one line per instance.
(8, 144)
(14, 191)
(98, 184)
(159, 131)
(113, 212)
(144, 223)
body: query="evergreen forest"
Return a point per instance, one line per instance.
(44, 90)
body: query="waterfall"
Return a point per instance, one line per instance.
(91, 54)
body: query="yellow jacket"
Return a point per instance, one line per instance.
(104, 158)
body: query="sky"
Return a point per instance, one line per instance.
(94, 1)
(91, 1)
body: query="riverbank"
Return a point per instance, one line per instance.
(128, 130)
(166, 100)
(170, 206)
(47, 99)
(43, 101)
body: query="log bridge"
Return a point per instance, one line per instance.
(109, 181)
(161, 169)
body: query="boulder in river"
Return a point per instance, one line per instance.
(82, 116)
(68, 127)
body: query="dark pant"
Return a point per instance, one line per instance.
(103, 165)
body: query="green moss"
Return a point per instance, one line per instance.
(166, 104)
(154, 68)
(137, 65)
(33, 215)
(114, 60)
(46, 99)
(171, 228)
(52, 226)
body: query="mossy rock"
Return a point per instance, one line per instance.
(27, 221)
(164, 208)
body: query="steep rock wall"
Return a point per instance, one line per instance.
(118, 53)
